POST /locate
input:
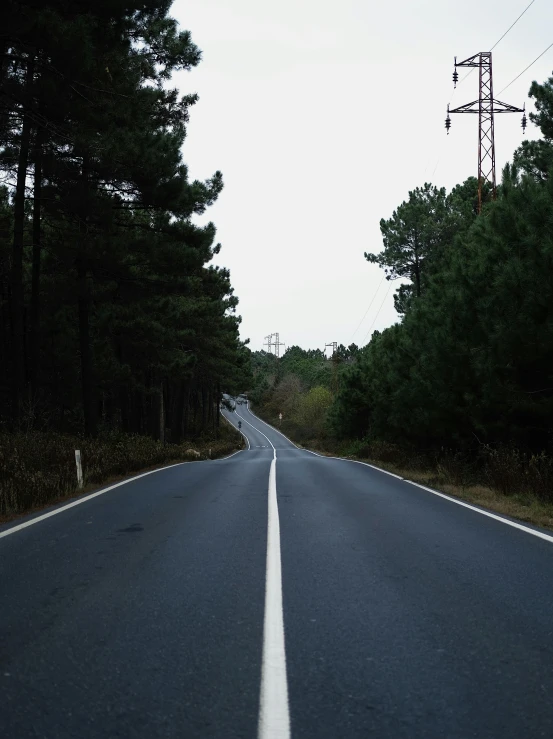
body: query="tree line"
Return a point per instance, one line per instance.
(470, 363)
(301, 386)
(111, 315)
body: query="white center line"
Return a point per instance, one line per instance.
(237, 429)
(274, 716)
(271, 427)
(482, 511)
(258, 431)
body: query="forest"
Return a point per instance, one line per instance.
(464, 379)
(113, 318)
(119, 335)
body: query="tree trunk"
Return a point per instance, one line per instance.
(217, 413)
(136, 412)
(124, 409)
(35, 279)
(123, 394)
(417, 267)
(186, 409)
(87, 372)
(17, 295)
(210, 414)
(195, 410)
(178, 413)
(4, 60)
(161, 414)
(90, 407)
(204, 408)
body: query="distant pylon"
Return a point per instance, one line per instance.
(277, 343)
(274, 342)
(486, 106)
(335, 359)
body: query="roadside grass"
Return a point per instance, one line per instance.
(521, 506)
(37, 469)
(524, 507)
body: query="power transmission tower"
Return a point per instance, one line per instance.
(274, 342)
(486, 106)
(335, 359)
(277, 343)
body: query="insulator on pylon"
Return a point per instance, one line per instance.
(524, 120)
(455, 77)
(447, 122)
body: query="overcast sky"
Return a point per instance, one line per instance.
(322, 115)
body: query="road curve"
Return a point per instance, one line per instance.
(140, 612)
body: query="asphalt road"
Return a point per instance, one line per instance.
(156, 609)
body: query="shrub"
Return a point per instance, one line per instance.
(37, 468)
(504, 470)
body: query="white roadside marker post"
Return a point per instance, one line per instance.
(79, 468)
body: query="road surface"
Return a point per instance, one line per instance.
(299, 596)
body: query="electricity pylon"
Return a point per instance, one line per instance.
(486, 106)
(335, 359)
(277, 343)
(274, 342)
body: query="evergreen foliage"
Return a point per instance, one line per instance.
(300, 385)
(470, 365)
(110, 314)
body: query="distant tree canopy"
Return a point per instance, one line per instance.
(309, 367)
(109, 311)
(300, 385)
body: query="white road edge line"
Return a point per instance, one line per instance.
(514, 524)
(274, 429)
(223, 459)
(84, 499)
(258, 431)
(274, 715)
(236, 429)
(358, 461)
(488, 514)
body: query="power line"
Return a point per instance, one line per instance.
(513, 24)
(440, 153)
(378, 312)
(525, 70)
(499, 41)
(368, 309)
